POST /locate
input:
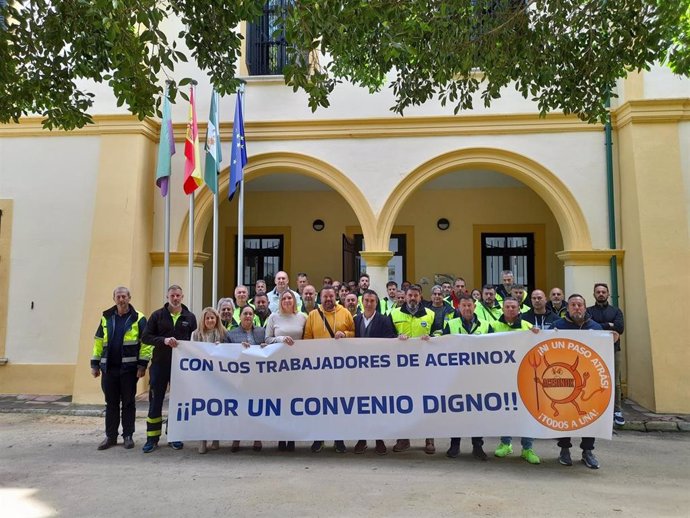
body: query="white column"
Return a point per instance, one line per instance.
(377, 268)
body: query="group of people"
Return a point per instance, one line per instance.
(126, 341)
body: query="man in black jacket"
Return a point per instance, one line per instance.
(166, 326)
(577, 318)
(539, 316)
(372, 324)
(121, 358)
(610, 318)
(556, 305)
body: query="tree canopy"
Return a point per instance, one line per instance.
(563, 54)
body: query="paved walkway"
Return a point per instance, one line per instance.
(49, 466)
(637, 418)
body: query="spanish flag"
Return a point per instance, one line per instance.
(192, 158)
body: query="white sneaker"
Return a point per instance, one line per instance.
(618, 419)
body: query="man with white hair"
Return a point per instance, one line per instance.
(120, 358)
(282, 284)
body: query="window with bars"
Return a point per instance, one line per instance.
(263, 258)
(514, 252)
(266, 45)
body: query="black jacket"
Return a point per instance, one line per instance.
(559, 313)
(160, 326)
(610, 318)
(541, 321)
(568, 323)
(381, 326)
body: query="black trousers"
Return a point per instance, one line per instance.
(476, 441)
(586, 443)
(159, 376)
(119, 386)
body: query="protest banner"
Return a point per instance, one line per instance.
(546, 385)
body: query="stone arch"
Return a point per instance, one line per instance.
(272, 163)
(547, 185)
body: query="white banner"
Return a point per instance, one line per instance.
(546, 385)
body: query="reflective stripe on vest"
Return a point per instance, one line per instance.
(130, 342)
(479, 327)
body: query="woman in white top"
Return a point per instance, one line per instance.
(286, 326)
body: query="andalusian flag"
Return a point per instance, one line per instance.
(213, 154)
(166, 148)
(192, 158)
(238, 158)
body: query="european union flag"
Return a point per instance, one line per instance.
(239, 150)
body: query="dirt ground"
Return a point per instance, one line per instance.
(49, 466)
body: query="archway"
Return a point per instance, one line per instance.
(282, 191)
(546, 184)
(275, 163)
(529, 207)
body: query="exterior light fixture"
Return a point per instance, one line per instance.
(318, 225)
(443, 224)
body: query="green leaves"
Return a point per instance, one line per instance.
(48, 47)
(564, 55)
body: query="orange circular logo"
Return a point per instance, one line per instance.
(564, 384)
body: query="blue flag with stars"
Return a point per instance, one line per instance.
(239, 150)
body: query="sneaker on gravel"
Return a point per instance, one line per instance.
(589, 459)
(504, 450)
(317, 446)
(618, 419)
(149, 446)
(479, 453)
(530, 456)
(564, 457)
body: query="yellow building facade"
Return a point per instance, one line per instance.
(81, 214)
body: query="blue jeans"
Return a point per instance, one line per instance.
(526, 442)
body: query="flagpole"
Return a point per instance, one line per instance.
(166, 245)
(214, 289)
(190, 258)
(166, 228)
(214, 300)
(240, 216)
(214, 157)
(166, 149)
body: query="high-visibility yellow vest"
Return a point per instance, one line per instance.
(479, 327)
(487, 314)
(411, 325)
(133, 351)
(501, 326)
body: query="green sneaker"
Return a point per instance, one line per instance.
(530, 456)
(504, 450)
